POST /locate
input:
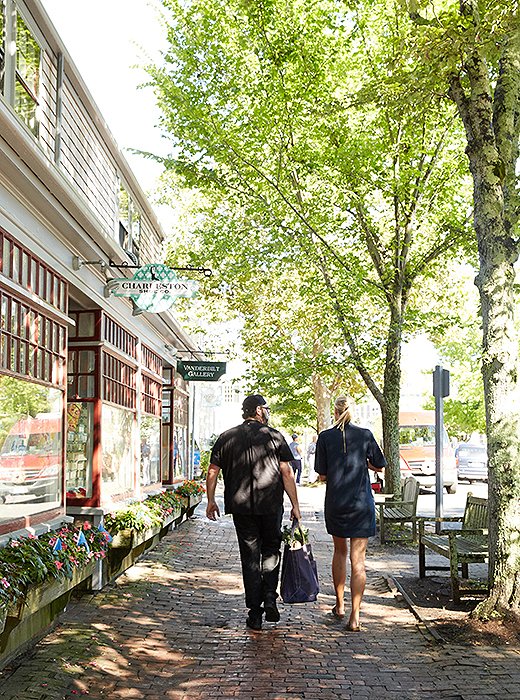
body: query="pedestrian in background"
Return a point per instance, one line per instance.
(344, 454)
(296, 462)
(254, 459)
(311, 457)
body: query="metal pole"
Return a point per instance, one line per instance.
(192, 448)
(439, 424)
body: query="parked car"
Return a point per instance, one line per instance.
(417, 450)
(472, 462)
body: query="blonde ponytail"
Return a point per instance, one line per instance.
(342, 407)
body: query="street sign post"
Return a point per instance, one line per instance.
(441, 388)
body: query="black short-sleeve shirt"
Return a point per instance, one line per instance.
(249, 456)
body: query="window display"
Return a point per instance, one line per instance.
(150, 450)
(31, 443)
(80, 431)
(118, 450)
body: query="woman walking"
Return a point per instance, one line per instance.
(344, 454)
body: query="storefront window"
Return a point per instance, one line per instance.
(150, 433)
(166, 434)
(31, 442)
(80, 431)
(118, 452)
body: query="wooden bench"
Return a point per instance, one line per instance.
(468, 545)
(400, 511)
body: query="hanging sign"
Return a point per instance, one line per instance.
(199, 371)
(153, 288)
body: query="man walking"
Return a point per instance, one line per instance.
(296, 462)
(254, 459)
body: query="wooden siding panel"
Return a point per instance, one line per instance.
(87, 162)
(151, 249)
(47, 106)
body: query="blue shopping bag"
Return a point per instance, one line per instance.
(299, 580)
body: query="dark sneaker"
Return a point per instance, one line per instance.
(254, 620)
(271, 613)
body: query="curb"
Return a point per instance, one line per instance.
(425, 628)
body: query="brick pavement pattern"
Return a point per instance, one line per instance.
(173, 627)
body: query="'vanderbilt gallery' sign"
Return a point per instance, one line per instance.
(153, 288)
(196, 371)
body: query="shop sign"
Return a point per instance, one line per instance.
(153, 288)
(197, 371)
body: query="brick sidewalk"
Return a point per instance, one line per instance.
(173, 627)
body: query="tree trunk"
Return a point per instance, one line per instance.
(491, 131)
(390, 404)
(322, 396)
(500, 373)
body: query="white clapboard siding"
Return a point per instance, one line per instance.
(86, 161)
(47, 106)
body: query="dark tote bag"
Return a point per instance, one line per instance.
(299, 581)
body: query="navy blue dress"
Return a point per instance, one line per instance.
(342, 456)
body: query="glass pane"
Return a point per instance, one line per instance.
(15, 351)
(165, 461)
(4, 351)
(62, 340)
(87, 361)
(41, 282)
(39, 364)
(6, 257)
(118, 456)
(23, 358)
(80, 429)
(48, 287)
(25, 270)
(56, 292)
(71, 387)
(150, 434)
(27, 75)
(24, 322)
(4, 310)
(30, 447)
(83, 387)
(15, 268)
(85, 325)
(63, 299)
(56, 346)
(34, 275)
(72, 369)
(15, 306)
(47, 370)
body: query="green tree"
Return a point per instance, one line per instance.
(470, 50)
(279, 111)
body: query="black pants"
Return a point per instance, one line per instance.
(259, 539)
(296, 465)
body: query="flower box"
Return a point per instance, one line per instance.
(131, 538)
(39, 595)
(29, 615)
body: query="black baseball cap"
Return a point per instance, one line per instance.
(251, 402)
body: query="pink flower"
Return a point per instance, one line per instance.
(59, 565)
(15, 543)
(32, 537)
(87, 525)
(5, 583)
